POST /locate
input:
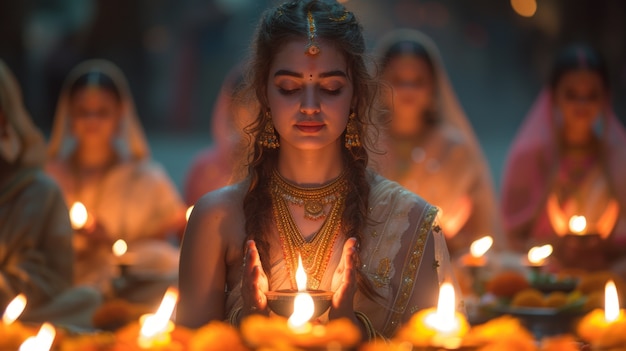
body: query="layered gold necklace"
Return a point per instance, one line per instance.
(316, 252)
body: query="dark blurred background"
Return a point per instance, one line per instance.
(176, 53)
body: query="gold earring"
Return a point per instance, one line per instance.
(352, 133)
(268, 138)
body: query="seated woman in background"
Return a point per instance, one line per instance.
(430, 147)
(99, 156)
(36, 255)
(567, 161)
(223, 163)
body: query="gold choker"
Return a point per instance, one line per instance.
(312, 199)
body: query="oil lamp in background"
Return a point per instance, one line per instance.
(537, 257)
(42, 341)
(78, 215)
(578, 225)
(475, 260)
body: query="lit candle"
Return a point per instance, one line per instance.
(595, 323)
(156, 328)
(14, 310)
(78, 215)
(537, 255)
(303, 305)
(188, 213)
(445, 321)
(119, 248)
(42, 341)
(578, 225)
(12, 332)
(478, 249)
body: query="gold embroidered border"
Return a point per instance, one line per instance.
(410, 271)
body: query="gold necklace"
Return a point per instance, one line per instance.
(316, 252)
(312, 199)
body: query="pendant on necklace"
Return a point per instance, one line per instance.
(314, 210)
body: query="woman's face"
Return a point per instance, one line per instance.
(580, 97)
(310, 97)
(95, 115)
(412, 93)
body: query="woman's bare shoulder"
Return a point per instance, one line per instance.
(219, 214)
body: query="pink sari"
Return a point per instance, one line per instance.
(535, 165)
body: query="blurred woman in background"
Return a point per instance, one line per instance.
(223, 162)
(99, 156)
(568, 161)
(430, 147)
(36, 256)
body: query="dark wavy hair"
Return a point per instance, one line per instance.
(576, 57)
(277, 27)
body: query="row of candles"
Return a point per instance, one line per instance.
(445, 324)
(79, 215)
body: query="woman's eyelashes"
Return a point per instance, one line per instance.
(333, 91)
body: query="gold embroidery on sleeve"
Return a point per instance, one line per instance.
(409, 272)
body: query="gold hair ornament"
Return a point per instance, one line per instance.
(311, 48)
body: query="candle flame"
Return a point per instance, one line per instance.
(120, 247)
(481, 246)
(188, 213)
(611, 302)
(444, 320)
(303, 305)
(303, 309)
(14, 309)
(42, 341)
(156, 325)
(578, 224)
(538, 254)
(78, 215)
(301, 278)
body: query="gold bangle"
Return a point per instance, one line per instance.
(234, 316)
(369, 328)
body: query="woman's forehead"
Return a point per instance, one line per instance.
(291, 57)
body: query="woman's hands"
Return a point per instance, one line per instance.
(254, 282)
(342, 303)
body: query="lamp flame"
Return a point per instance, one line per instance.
(444, 319)
(188, 213)
(538, 254)
(120, 247)
(611, 302)
(301, 278)
(480, 246)
(578, 224)
(78, 215)
(154, 327)
(14, 309)
(42, 341)
(303, 305)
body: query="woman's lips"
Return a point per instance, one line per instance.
(309, 128)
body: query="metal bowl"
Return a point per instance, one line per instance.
(281, 301)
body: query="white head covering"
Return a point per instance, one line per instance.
(451, 116)
(131, 140)
(20, 125)
(448, 108)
